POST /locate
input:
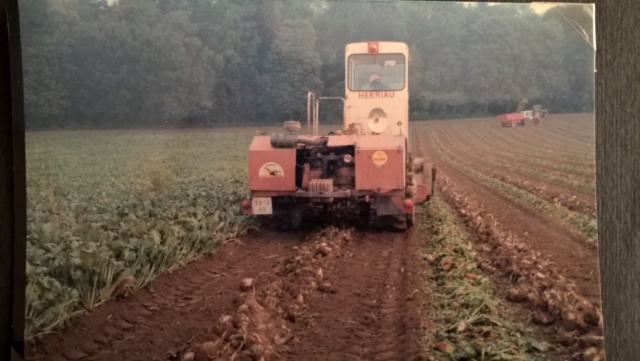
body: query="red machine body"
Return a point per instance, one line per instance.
(521, 116)
(511, 119)
(365, 169)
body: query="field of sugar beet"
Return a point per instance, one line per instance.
(137, 250)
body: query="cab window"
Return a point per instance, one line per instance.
(376, 72)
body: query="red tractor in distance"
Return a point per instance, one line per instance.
(521, 116)
(364, 169)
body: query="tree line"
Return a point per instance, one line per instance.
(149, 63)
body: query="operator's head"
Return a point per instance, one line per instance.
(374, 79)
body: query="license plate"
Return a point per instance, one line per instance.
(261, 205)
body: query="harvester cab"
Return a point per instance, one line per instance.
(538, 109)
(535, 114)
(376, 100)
(364, 169)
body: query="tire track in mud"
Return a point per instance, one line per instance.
(172, 312)
(331, 294)
(393, 335)
(374, 315)
(548, 272)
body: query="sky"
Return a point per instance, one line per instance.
(542, 7)
(538, 7)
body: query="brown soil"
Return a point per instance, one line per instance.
(330, 295)
(173, 312)
(525, 151)
(337, 294)
(505, 164)
(374, 315)
(572, 198)
(548, 271)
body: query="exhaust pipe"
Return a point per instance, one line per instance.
(290, 141)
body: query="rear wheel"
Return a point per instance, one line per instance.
(401, 223)
(410, 220)
(293, 219)
(433, 182)
(364, 215)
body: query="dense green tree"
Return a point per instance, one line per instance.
(44, 33)
(290, 65)
(148, 63)
(578, 55)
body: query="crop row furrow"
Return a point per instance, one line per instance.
(480, 325)
(559, 178)
(476, 145)
(582, 128)
(520, 136)
(582, 203)
(544, 131)
(584, 224)
(554, 130)
(533, 139)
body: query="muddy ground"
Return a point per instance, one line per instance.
(328, 295)
(546, 271)
(341, 294)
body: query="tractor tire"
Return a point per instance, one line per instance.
(430, 171)
(401, 223)
(293, 219)
(410, 220)
(433, 182)
(418, 165)
(364, 215)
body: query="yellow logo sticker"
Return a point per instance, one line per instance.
(270, 170)
(379, 158)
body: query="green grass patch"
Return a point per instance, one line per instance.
(474, 325)
(108, 206)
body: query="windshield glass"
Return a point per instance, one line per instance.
(376, 72)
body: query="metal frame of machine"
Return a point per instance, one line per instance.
(364, 169)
